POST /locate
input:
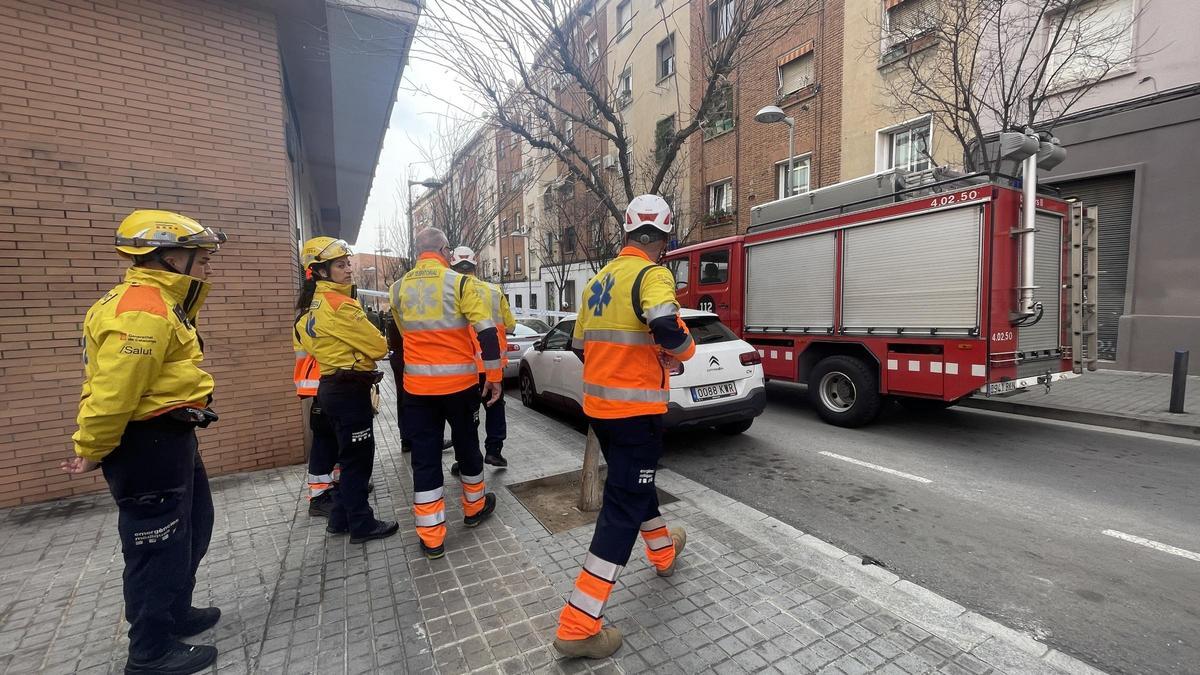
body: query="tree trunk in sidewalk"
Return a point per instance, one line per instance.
(306, 405)
(590, 489)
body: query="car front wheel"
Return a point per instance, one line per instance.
(529, 397)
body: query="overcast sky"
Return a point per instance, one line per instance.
(414, 119)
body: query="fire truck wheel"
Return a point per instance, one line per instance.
(845, 391)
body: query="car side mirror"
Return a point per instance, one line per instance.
(680, 284)
(538, 345)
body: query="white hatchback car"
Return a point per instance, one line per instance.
(721, 386)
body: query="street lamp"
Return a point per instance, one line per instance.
(429, 183)
(770, 115)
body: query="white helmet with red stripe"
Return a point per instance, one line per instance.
(648, 210)
(462, 254)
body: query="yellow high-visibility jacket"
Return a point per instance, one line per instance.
(141, 356)
(497, 304)
(630, 316)
(336, 331)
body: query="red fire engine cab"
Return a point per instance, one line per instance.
(923, 294)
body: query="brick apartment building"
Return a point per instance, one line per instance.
(738, 163)
(261, 118)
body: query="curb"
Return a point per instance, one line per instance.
(1004, 648)
(1084, 416)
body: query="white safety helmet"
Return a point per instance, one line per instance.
(463, 254)
(648, 210)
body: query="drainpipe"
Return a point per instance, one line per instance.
(1027, 304)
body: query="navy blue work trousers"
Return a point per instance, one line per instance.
(165, 522)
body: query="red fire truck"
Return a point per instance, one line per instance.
(924, 294)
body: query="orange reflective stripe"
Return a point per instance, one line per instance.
(306, 375)
(438, 348)
(594, 586)
(433, 537)
(574, 624)
(660, 548)
(472, 498)
(604, 409)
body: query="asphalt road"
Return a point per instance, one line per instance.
(1002, 514)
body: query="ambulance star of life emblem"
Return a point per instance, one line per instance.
(601, 294)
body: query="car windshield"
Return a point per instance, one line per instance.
(707, 330)
(537, 325)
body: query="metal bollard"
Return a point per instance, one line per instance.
(1179, 380)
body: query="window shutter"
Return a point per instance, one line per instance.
(909, 18)
(796, 69)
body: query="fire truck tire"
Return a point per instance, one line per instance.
(923, 405)
(845, 391)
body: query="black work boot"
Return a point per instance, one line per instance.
(196, 621)
(434, 552)
(489, 505)
(454, 470)
(179, 659)
(321, 505)
(381, 530)
(495, 460)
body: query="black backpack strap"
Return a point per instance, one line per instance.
(462, 284)
(296, 326)
(637, 292)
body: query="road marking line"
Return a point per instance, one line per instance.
(1158, 546)
(884, 469)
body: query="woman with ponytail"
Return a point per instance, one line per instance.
(333, 330)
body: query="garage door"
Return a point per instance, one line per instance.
(1113, 195)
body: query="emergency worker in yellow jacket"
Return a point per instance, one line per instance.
(323, 447)
(628, 334)
(336, 332)
(463, 261)
(144, 394)
(437, 309)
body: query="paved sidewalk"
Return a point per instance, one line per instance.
(1112, 398)
(751, 594)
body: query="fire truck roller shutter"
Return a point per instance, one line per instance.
(915, 273)
(1042, 339)
(790, 283)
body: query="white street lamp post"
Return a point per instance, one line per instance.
(770, 115)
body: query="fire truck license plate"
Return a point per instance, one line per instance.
(1001, 387)
(711, 391)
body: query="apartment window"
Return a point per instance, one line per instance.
(593, 48)
(796, 69)
(720, 19)
(907, 20)
(666, 57)
(549, 244)
(548, 197)
(504, 268)
(908, 147)
(569, 130)
(720, 116)
(569, 242)
(625, 87)
(518, 299)
(720, 198)
(799, 182)
(517, 225)
(517, 264)
(664, 133)
(594, 163)
(624, 17)
(532, 301)
(569, 296)
(1096, 38)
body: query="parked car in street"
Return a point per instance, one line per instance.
(520, 337)
(721, 386)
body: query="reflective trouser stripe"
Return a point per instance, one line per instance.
(581, 616)
(492, 364)
(318, 485)
(660, 548)
(430, 517)
(653, 524)
(472, 496)
(626, 394)
(601, 568)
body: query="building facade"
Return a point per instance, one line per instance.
(225, 111)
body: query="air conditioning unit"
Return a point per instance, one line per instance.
(609, 162)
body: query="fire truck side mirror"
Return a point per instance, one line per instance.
(680, 285)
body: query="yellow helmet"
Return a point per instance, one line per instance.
(146, 230)
(322, 250)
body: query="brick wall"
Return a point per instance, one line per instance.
(105, 107)
(748, 153)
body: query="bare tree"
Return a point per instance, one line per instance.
(981, 66)
(528, 62)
